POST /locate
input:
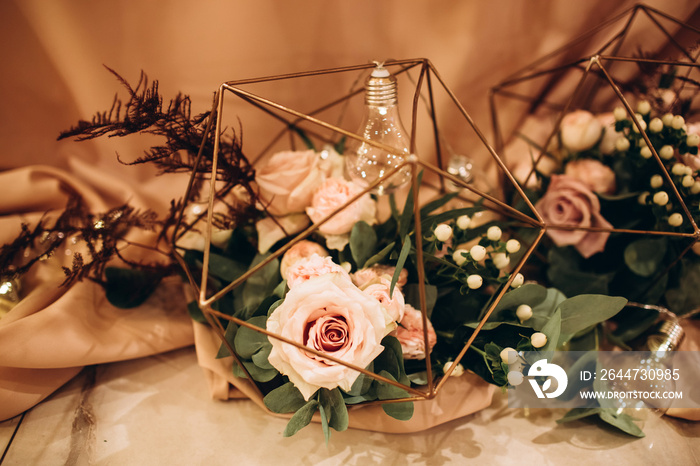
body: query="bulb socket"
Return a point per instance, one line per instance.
(380, 91)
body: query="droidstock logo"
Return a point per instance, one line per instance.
(542, 368)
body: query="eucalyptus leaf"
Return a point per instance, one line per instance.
(583, 311)
(402, 411)
(257, 373)
(622, 421)
(380, 256)
(403, 255)
(196, 313)
(225, 268)
(229, 335)
(363, 241)
(685, 297)
(284, 399)
(578, 413)
(443, 217)
(260, 358)
(262, 283)
(552, 329)
(338, 418)
(542, 311)
(437, 203)
(247, 341)
(362, 383)
(645, 256)
(301, 418)
(406, 218)
(324, 411)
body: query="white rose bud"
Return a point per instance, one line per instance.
(645, 152)
(478, 252)
(509, 355)
(666, 152)
(661, 198)
(693, 140)
(677, 122)
(622, 144)
(523, 313)
(517, 281)
(500, 260)
(515, 378)
(643, 107)
(695, 189)
(512, 246)
(494, 233)
(620, 113)
(678, 169)
(667, 119)
(459, 256)
(443, 232)
(538, 339)
(656, 181)
(474, 281)
(459, 369)
(656, 125)
(642, 199)
(688, 181)
(463, 222)
(675, 219)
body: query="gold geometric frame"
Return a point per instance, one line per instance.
(597, 71)
(423, 89)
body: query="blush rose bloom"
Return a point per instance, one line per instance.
(568, 202)
(327, 198)
(580, 130)
(366, 275)
(379, 289)
(287, 180)
(310, 267)
(597, 177)
(410, 334)
(329, 314)
(607, 142)
(301, 250)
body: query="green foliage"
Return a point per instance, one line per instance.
(127, 288)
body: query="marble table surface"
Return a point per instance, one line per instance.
(157, 410)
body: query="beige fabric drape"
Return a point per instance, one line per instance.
(53, 53)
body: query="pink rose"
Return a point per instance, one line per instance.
(379, 290)
(580, 130)
(312, 266)
(301, 250)
(410, 334)
(597, 177)
(286, 181)
(329, 314)
(363, 276)
(568, 202)
(331, 195)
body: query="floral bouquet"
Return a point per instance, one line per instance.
(327, 294)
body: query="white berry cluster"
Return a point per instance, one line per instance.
(481, 262)
(669, 138)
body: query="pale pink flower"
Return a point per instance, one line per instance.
(379, 289)
(333, 194)
(363, 276)
(329, 314)
(598, 177)
(301, 250)
(286, 181)
(410, 334)
(312, 266)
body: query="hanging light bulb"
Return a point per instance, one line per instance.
(381, 124)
